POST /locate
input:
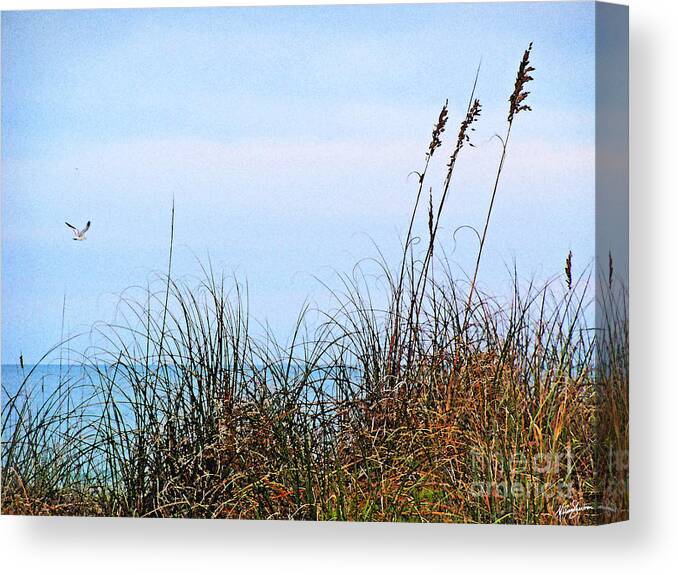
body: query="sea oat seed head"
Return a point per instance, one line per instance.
(523, 77)
(438, 130)
(568, 270)
(471, 117)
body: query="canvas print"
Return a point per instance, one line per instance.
(333, 263)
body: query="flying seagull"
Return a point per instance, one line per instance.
(79, 234)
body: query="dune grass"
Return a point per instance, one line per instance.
(435, 402)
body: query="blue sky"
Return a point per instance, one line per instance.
(285, 136)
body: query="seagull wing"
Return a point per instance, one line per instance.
(84, 230)
(71, 226)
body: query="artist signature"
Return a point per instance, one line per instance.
(566, 511)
